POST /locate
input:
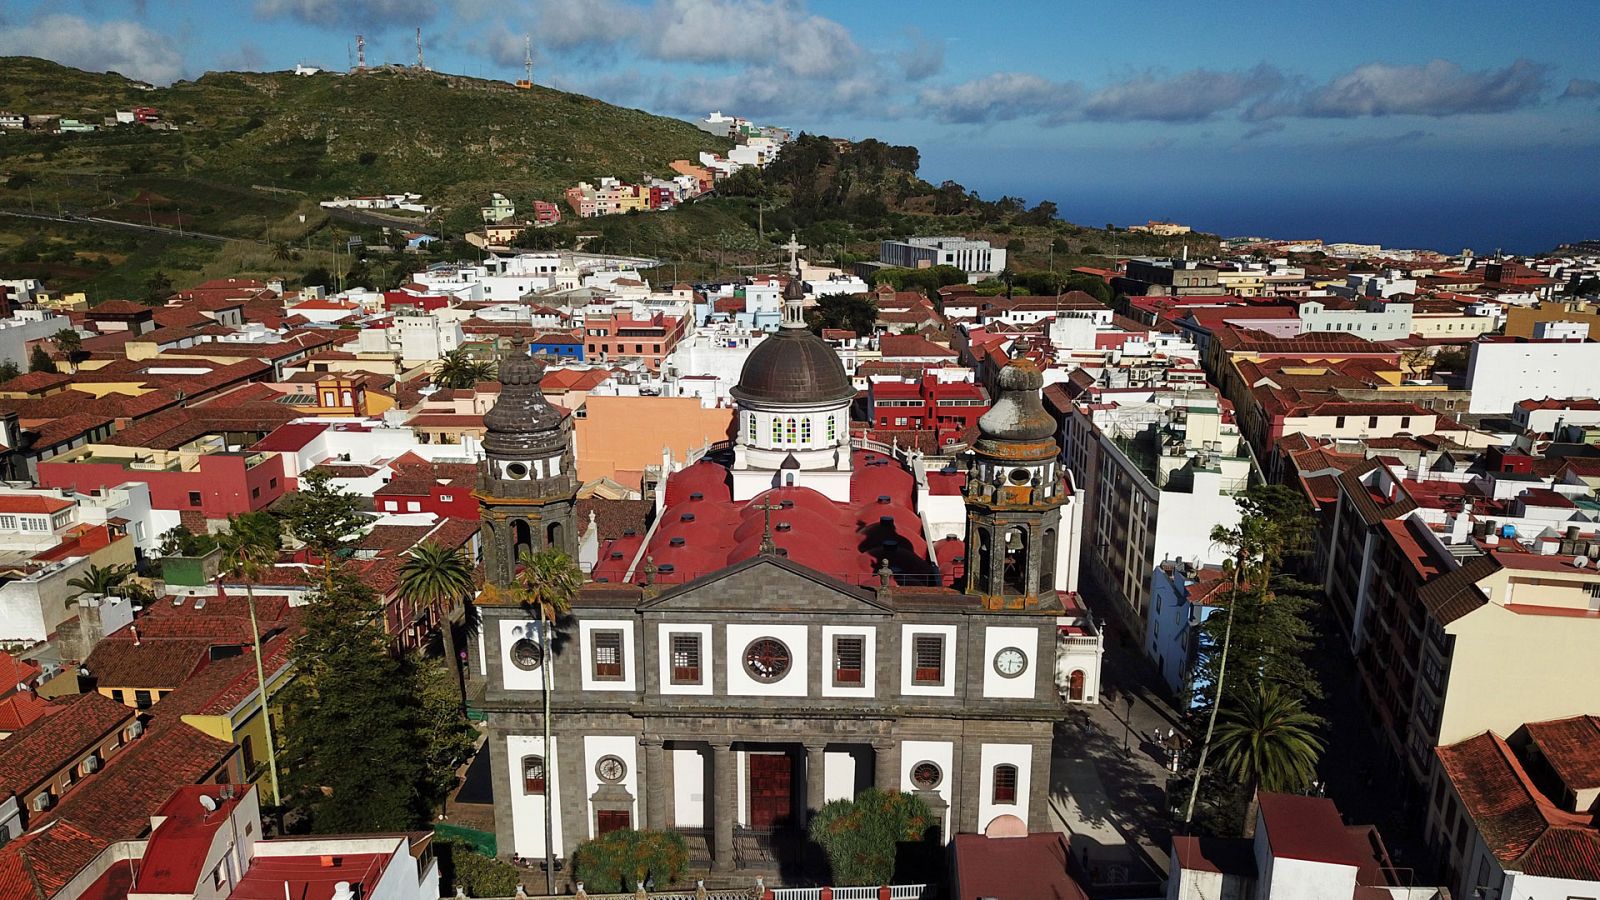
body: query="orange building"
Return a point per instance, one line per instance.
(621, 336)
(618, 436)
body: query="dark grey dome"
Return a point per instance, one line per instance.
(1019, 414)
(522, 421)
(793, 366)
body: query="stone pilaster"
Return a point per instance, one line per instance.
(886, 764)
(816, 785)
(657, 809)
(724, 806)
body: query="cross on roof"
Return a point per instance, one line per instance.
(794, 247)
(767, 544)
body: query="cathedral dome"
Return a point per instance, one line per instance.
(793, 366)
(522, 421)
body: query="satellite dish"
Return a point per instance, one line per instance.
(207, 803)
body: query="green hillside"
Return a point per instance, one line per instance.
(448, 137)
(252, 154)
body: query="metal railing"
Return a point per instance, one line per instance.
(896, 892)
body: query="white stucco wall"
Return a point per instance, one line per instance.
(623, 747)
(740, 684)
(1001, 637)
(1019, 755)
(586, 629)
(527, 812)
(940, 753)
(948, 688)
(869, 658)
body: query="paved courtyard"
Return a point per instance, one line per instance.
(1108, 777)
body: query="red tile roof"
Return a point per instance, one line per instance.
(1572, 749)
(43, 747)
(1013, 868)
(35, 382)
(117, 802)
(1520, 825)
(38, 865)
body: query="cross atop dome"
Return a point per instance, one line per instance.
(794, 294)
(794, 247)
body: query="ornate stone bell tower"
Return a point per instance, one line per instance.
(1014, 495)
(528, 484)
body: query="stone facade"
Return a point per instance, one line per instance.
(972, 721)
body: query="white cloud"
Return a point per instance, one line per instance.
(1187, 97)
(1438, 88)
(110, 46)
(923, 59)
(1001, 97)
(769, 32)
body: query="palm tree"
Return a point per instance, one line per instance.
(281, 251)
(246, 556)
(1268, 743)
(98, 581)
(69, 342)
(459, 371)
(546, 582)
(433, 576)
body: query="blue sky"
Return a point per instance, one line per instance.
(1411, 123)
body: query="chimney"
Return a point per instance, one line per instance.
(135, 630)
(342, 891)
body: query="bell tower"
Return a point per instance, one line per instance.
(1014, 496)
(528, 483)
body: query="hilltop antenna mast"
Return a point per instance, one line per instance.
(527, 58)
(361, 53)
(419, 49)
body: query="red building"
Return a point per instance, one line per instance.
(418, 486)
(218, 485)
(945, 407)
(662, 198)
(546, 213)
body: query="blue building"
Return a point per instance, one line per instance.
(563, 346)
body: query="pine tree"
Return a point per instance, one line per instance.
(355, 745)
(40, 361)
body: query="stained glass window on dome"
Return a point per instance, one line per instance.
(789, 430)
(777, 430)
(805, 430)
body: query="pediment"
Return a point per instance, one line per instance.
(769, 584)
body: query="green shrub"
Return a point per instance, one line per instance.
(862, 837)
(478, 875)
(620, 860)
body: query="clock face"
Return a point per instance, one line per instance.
(526, 654)
(610, 769)
(1010, 662)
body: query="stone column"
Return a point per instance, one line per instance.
(886, 764)
(657, 810)
(724, 806)
(816, 786)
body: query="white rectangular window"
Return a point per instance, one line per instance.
(8, 523)
(849, 654)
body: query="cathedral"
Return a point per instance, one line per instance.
(804, 617)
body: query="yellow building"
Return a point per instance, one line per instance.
(1520, 320)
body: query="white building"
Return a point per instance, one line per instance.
(976, 258)
(1301, 850)
(1504, 370)
(24, 327)
(1374, 320)
(706, 364)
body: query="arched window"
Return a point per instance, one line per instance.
(533, 775)
(1075, 685)
(777, 430)
(789, 430)
(1005, 784)
(833, 429)
(1047, 561)
(805, 430)
(750, 429)
(552, 535)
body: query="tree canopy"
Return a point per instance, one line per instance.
(862, 837)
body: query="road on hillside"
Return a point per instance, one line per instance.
(129, 226)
